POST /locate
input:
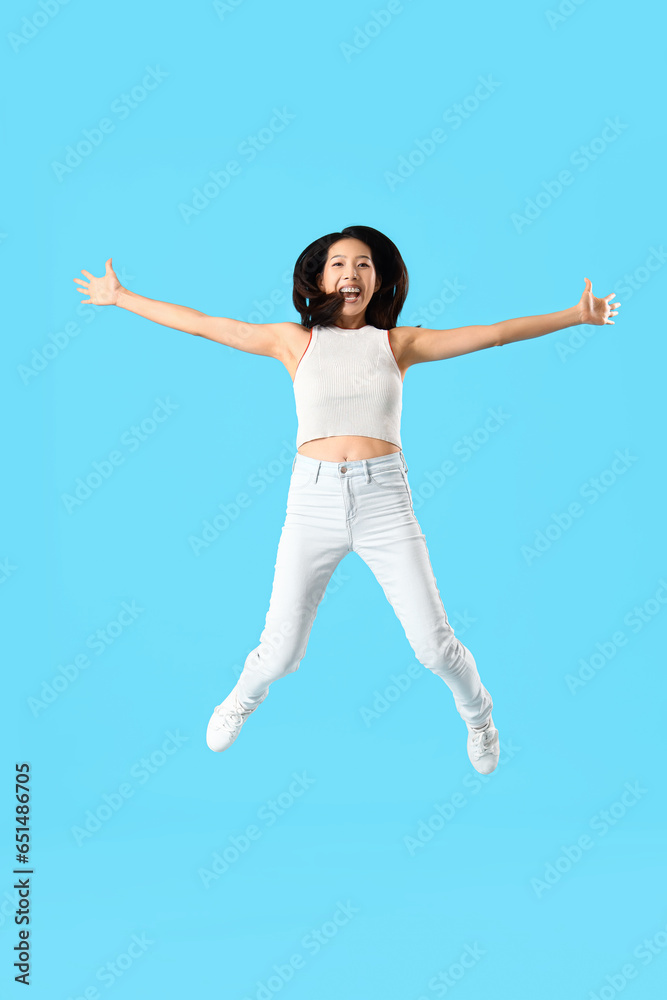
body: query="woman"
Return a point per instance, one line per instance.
(349, 489)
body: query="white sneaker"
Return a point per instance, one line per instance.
(225, 723)
(484, 747)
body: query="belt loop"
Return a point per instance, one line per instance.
(403, 462)
(317, 472)
(368, 475)
(294, 461)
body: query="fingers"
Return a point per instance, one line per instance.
(87, 273)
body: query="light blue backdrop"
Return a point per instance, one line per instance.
(344, 847)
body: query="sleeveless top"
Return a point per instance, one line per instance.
(348, 382)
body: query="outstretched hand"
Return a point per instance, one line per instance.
(102, 291)
(596, 311)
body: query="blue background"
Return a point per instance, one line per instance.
(362, 96)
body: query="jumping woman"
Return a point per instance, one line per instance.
(349, 489)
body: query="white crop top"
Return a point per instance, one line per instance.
(348, 382)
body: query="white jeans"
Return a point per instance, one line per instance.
(366, 507)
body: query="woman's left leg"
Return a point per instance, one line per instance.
(388, 537)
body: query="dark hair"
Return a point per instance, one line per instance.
(323, 308)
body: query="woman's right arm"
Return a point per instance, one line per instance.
(255, 338)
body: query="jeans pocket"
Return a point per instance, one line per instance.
(393, 478)
(301, 479)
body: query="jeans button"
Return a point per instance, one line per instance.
(344, 469)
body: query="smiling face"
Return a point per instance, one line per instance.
(349, 265)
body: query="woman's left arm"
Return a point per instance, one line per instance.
(589, 309)
(436, 345)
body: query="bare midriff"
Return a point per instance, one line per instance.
(346, 448)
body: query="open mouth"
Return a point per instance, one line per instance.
(351, 296)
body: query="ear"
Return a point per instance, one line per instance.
(378, 283)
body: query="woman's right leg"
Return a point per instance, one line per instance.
(313, 541)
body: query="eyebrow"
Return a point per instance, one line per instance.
(345, 255)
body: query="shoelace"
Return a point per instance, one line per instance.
(230, 719)
(481, 741)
